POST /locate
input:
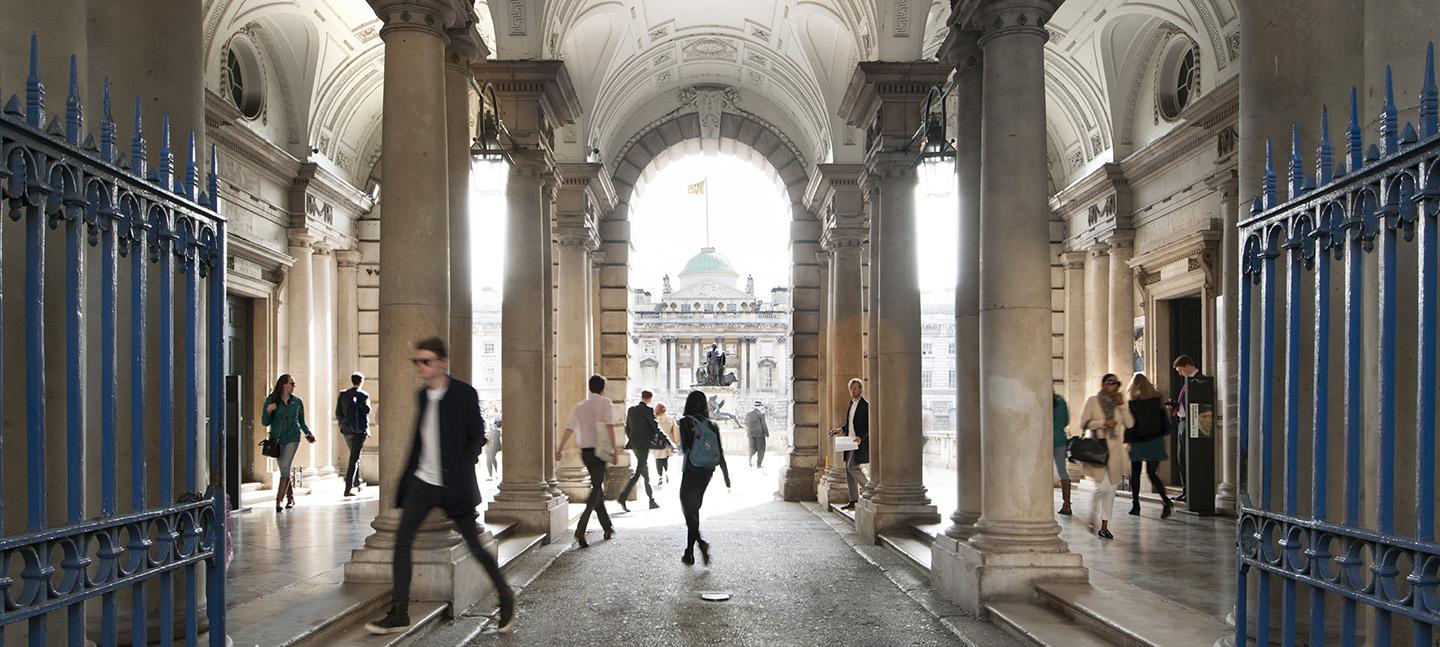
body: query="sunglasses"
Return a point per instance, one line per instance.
(421, 361)
(1111, 383)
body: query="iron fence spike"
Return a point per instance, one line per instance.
(34, 88)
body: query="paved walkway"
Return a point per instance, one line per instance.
(793, 578)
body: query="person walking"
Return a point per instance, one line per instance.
(1106, 416)
(700, 443)
(588, 420)
(440, 473)
(1145, 441)
(493, 448)
(756, 429)
(284, 413)
(1060, 410)
(671, 432)
(352, 409)
(640, 430)
(857, 423)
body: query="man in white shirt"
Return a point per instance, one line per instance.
(857, 423)
(586, 419)
(440, 473)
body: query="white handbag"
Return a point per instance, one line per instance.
(603, 447)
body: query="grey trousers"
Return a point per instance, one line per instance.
(757, 450)
(854, 477)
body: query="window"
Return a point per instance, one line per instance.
(648, 372)
(489, 348)
(246, 84)
(1177, 81)
(952, 379)
(927, 350)
(942, 421)
(925, 379)
(952, 349)
(767, 376)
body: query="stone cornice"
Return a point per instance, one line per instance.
(1207, 240)
(547, 81)
(1160, 154)
(877, 82)
(1105, 179)
(594, 178)
(828, 178)
(1220, 107)
(429, 16)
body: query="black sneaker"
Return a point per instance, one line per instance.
(653, 504)
(507, 614)
(848, 506)
(396, 621)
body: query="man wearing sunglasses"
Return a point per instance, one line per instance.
(449, 434)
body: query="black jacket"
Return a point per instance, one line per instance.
(358, 401)
(640, 426)
(687, 439)
(462, 435)
(1151, 420)
(862, 429)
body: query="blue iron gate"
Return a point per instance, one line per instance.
(1353, 248)
(140, 249)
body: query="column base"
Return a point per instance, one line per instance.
(616, 476)
(441, 573)
(543, 514)
(962, 525)
(574, 482)
(1225, 499)
(797, 483)
(832, 489)
(874, 515)
(971, 577)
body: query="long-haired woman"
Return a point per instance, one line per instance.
(284, 414)
(1146, 440)
(1106, 416)
(671, 431)
(694, 478)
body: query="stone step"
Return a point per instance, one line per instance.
(422, 615)
(848, 515)
(251, 486)
(1129, 615)
(1034, 624)
(910, 547)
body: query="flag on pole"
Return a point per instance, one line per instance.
(697, 188)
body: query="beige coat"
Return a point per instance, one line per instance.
(671, 431)
(1092, 420)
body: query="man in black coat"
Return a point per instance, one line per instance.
(440, 473)
(857, 423)
(352, 409)
(640, 430)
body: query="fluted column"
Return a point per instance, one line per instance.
(320, 411)
(1122, 308)
(535, 97)
(1016, 541)
(899, 498)
(414, 284)
(1097, 317)
(573, 351)
(1227, 364)
(300, 330)
(347, 328)
(966, 55)
(458, 133)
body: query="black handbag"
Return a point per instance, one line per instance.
(659, 440)
(1088, 451)
(270, 448)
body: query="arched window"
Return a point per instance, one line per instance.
(1177, 81)
(244, 79)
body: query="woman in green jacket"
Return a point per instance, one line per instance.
(284, 414)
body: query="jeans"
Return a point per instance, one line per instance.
(352, 467)
(596, 503)
(854, 478)
(420, 497)
(642, 470)
(757, 449)
(693, 482)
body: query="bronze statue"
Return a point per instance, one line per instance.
(713, 372)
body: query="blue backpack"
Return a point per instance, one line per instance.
(705, 449)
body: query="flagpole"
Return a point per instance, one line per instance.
(706, 191)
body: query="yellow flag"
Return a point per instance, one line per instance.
(697, 188)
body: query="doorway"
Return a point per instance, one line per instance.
(1186, 323)
(239, 373)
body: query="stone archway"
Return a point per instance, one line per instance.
(710, 120)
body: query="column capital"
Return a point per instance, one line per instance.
(586, 186)
(1097, 250)
(348, 258)
(429, 16)
(1014, 18)
(961, 50)
(535, 96)
(1120, 241)
(569, 234)
(322, 247)
(465, 46)
(1073, 260)
(901, 88)
(300, 238)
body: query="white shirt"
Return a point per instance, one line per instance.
(854, 404)
(591, 412)
(428, 469)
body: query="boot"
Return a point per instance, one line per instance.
(280, 490)
(1135, 507)
(1169, 508)
(289, 493)
(1064, 493)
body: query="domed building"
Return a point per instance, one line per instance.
(671, 335)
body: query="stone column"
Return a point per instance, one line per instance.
(872, 363)
(899, 498)
(535, 98)
(414, 286)
(577, 237)
(347, 329)
(321, 411)
(1227, 364)
(1097, 318)
(964, 52)
(547, 335)
(1122, 308)
(458, 56)
(826, 402)
(300, 333)
(1016, 541)
(837, 194)
(797, 482)
(1075, 340)
(152, 49)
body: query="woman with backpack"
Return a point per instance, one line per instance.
(700, 441)
(284, 414)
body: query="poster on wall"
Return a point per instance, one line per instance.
(1139, 350)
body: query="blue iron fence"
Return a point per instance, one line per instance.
(105, 207)
(1370, 225)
